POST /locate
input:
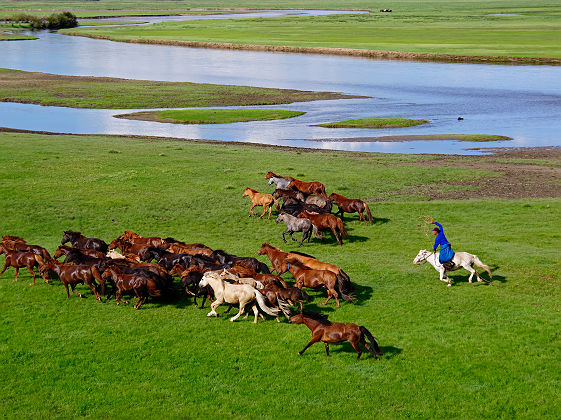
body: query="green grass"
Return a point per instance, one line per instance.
(443, 28)
(212, 116)
(8, 32)
(468, 351)
(105, 92)
(375, 123)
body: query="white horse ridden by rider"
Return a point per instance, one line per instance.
(242, 294)
(461, 259)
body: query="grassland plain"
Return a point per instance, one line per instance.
(468, 351)
(510, 31)
(212, 116)
(375, 123)
(114, 93)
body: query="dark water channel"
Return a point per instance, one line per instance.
(522, 102)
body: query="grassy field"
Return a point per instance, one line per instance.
(113, 93)
(212, 116)
(375, 123)
(473, 29)
(467, 351)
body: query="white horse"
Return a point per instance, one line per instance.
(461, 259)
(241, 294)
(280, 182)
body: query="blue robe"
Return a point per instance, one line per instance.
(446, 251)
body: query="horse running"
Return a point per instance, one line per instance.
(258, 199)
(351, 205)
(73, 274)
(279, 181)
(461, 259)
(297, 224)
(335, 332)
(307, 277)
(327, 221)
(241, 294)
(143, 286)
(276, 256)
(19, 259)
(314, 187)
(80, 241)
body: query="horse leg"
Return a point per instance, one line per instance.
(283, 238)
(17, 272)
(213, 307)
(255, 312)
(339, 240)
(312, 341)
(242, 307)
(363, 341)
(304, 235)
(326, 348)
(67, 291)
(292, 237)
(5, 267)
(265, 211)
(118, 296)
(94, 290)
(355, 345)
(30, 269)
(251, 210)
(472, 271)
(72, 286)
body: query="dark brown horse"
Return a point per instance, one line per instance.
(335, 332)
(15, 243)
(142, 286)
(73, 274)
(19, 259)
(276, 256)
(308, 187)
(327, 221)
(307, 277)
(351, 205)
(129, 238)
(65, 249)
(80, 241)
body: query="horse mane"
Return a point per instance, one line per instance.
(317, 317)
(303, 254)
(252, 190)
(72, 231)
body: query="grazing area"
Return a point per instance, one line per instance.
(501, 32)
(375, 123)
(489, 349)
(115, 93)
(211, 116)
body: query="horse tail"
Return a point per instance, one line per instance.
(316, 232)
(368, 212)
(483, 266)
(372, 340)
(263, 305)
(341, 228)
(39, 259)
(306, 296)
(345, 287)
(284, 307)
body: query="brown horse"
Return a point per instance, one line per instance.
(191, 249)
(143, 286)
(81, 241)
(276, 256)
(19, 259)
(308, 187)
(15, 243)
(130, 238)
(307, 277)
(259, 199)
(351, 205)
(65, 250)
(335, 332)
(73, 274)
(270, 174)
(327, 221)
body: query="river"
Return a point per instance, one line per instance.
(522, 102)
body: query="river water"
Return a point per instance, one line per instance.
(522, 102)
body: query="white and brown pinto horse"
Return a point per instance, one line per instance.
(242, 294)
(461, 259)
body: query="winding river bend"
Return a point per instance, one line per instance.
(522, 102)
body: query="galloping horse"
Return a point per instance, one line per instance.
(276, 256)
(335, 332)
(279, 181)
(80, 241)
(73, 274)
(351, 205)
(15, 243)
(241, 294)
(297, 224)
(327, 221)
(461, 259)
(308, 277)
(258, 199)
(308, 187)
(65, 249)
(141, 284)
(19, 259)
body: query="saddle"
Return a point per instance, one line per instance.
(448, 265)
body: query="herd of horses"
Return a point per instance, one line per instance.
(145, 267)
(306, 207)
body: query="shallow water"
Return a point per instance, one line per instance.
(522, 102)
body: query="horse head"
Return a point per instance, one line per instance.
(69, 236)
(296, 319)
(421, 256)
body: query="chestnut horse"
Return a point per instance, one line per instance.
(19, 259)
(258, 199)
(335, 332)
(143, 286)
(276, 256)
(191, 249)
(307, 277)
(129, 237)
(65, 249)
(308, 187)
(351, 205)
(15, 243)
(73, 274)
(327, 221)
(80, 241)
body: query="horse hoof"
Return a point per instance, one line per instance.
(449, 285)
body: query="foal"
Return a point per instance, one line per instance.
(258, 199)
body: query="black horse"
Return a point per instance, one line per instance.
(223, 257)
(80, 241)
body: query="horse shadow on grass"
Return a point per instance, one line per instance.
(363, 294)
(345, 347)
(460, 278)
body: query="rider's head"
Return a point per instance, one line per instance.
(436, 231)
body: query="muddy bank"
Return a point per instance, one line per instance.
(417, 137)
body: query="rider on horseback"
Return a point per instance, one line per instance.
(446, 252)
